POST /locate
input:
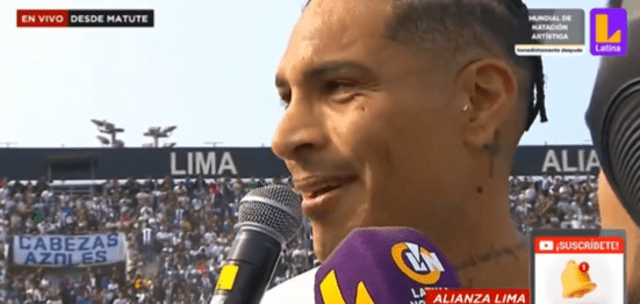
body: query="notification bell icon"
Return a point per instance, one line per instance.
(576, 282)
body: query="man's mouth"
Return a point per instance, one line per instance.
(321, 192)
(324, 190)
(314, 186)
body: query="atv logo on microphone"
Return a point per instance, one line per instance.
(417, 263)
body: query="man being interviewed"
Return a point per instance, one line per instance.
(408, 113)
(615, 216)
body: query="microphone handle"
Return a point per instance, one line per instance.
(249, 267)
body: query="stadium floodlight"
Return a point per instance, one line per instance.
(103, 140)
(99, 123)
(111, 129)
(159, 132)
(169, 129)
(150, 132)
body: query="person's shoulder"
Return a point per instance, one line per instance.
(298, 290)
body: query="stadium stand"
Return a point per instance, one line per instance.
(179, 232)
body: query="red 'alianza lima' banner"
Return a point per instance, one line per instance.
(478, 296)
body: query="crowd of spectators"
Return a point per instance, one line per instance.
(551, 203)
(179, 233)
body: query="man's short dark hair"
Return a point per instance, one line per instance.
(493, 27)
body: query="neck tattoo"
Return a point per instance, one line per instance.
(494, 255)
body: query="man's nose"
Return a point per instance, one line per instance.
(301, 129)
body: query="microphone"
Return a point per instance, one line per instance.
(268, 218)
(613, 118)
(383, 265)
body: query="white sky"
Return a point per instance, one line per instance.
(207, 67)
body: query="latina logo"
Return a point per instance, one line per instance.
(609, 28)
(417, 263)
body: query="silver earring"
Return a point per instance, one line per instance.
(466, 107)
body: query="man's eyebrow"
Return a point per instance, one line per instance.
(326, 69)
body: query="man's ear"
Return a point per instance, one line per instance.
(491, 89)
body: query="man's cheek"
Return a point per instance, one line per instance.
(359, 137)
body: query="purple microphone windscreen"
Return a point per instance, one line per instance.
(383, 265)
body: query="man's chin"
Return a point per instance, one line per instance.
(325, 241)
(330, 231)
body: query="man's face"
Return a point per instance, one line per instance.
(369, 115)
